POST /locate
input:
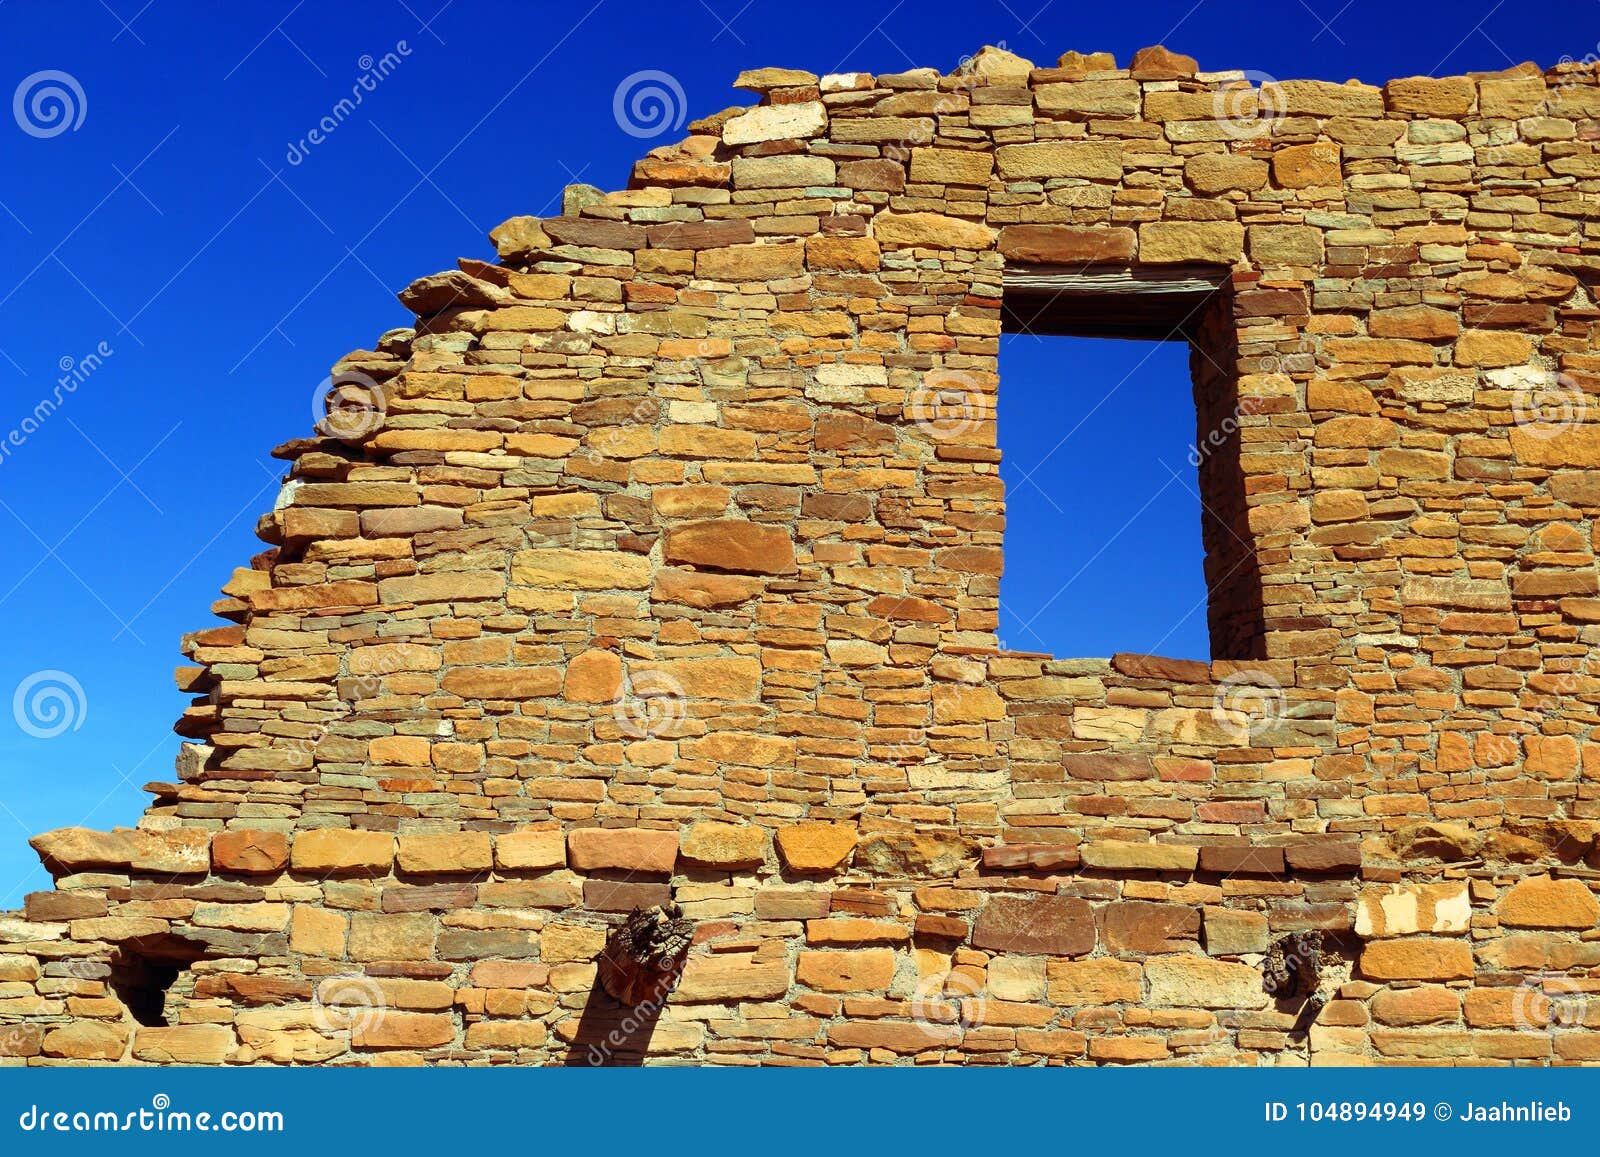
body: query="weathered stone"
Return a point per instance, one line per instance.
(447, 852)
(1416, 958)
(919, 853)
(1080, 983)
(630, 849)
(530, 850)
(1066, 244)
(1185, 981)
(929, 231)
(1048, 926)
(720, 845)
(1546, 903)
(330, 851)
(732, 545)
(816, 847)
(1203, 242)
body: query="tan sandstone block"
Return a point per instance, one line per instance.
(532, 850)
(1545, 903)
(595, 676)
(331, 850)
(250, 851)
(1204, 242)
(631, 849)
(445, 852)
(185, 1044)
(1417, 958)
(929, 231)
(1080, 983)
(816, 847)
(863, 970)
(721, 845)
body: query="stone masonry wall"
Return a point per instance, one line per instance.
(658, 563)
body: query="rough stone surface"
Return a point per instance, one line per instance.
(669, 576)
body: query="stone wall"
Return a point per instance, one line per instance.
(658, 563)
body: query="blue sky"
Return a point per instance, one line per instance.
(192, 269)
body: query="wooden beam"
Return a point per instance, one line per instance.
(1152, 303)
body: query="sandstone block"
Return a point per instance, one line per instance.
(727, 977)
(1184, 981)
(863, 970)
(816, 847)
(929, 231)
(630, 849)
(1081, 983)
(1066, 244)
(776, 122)
(595, 676)
(1202, 242)
(720, 845)
(1541, 902)
(184, 1044)
(402, 1030)
(732, 545)
(1048, 926)
(530, 850)
(445, 852)
(1416, 958)
(329, 851)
